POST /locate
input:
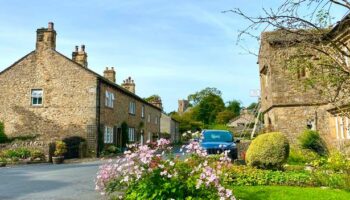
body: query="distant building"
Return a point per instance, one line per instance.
(170, 126)
(246, 117)
(183, 106)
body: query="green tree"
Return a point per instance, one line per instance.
(197, 97)
(187, 122)
(208, 108)
(152, 97)
(224, 117)
(234, 106)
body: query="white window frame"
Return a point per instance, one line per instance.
(131, 134)
(132, 107)
(156, 120)
(108, 135)
(109, 99)
(149, 118)
(36, 94)
(143, 111)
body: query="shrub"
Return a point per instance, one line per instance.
(22, 153)
(35, 153)
(248, 176)
(60, 148)
(310, 139)
(3, 137)
(110, 150)
(268, 151)
(301, 156)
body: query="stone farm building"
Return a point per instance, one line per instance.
(286, 105)
(56, 98)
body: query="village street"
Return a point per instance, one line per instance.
(47, 181)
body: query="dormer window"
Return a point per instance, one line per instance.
(37, 97)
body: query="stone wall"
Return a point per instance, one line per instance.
(120, 113)
(69, 97)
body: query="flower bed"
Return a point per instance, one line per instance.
(155, 173)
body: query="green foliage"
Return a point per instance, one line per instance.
(187, 123)
(199, 96)
(252, 106)
(152, 98)
(218, 127)
(3, 160)
(311, 140)
(22, 153)
(225, 116)
(60, 148)
(234, 106)
(268, 151)
(289, 193)
(301, 156)
(208, 108)
(248, 176)
(3, 137)
(35, 153)
(110, 150)
(154, 186)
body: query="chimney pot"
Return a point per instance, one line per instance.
(50, 26)
(83, 48)
(76, 48)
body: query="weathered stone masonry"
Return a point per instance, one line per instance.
(73, 100)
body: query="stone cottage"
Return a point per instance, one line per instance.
(54, 97)
(170, 127)
(285, 103)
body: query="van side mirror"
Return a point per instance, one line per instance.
(238, 141)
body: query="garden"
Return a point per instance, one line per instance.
(273, 169)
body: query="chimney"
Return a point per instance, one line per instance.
(129, 84)
(80, 56)
(157, 102)
(46, 37)
(109, 74)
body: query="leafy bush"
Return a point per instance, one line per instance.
(35, 153)
(301, 156)
(110, 150)
(248, 176)
(22, 153)
(3, 137)
(268, 151)
(335, 162)
(312, 140)
(60, 148)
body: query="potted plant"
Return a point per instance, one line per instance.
(3, 162)
(60, 150)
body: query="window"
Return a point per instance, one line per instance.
(131, 135)
(108, 136)
(132, 107)
(143, 111)
(149, 118)
(37, 97)
(156, 120)
(109, 99)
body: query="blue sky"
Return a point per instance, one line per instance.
(170, 48)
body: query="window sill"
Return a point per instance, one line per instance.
(37, 106)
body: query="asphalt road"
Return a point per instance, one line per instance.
(47, 181)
